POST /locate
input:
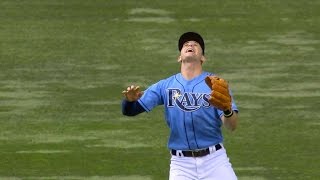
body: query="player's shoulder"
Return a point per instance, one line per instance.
(170, 78)
(165, 81)
(206, 73)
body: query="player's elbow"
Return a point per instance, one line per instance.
(232, 128)
(131, 108)
(126, 113)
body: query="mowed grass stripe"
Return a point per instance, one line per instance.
(136, 177)
(149, 15)
(107, 178)
(252, 178)
(49, 137)
(43, 151)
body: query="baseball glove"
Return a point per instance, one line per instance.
(220, 97)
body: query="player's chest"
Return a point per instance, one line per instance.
(187, 99)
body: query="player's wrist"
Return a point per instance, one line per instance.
(228, 113)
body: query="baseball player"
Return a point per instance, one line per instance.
(197, 104)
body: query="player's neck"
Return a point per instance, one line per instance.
(191, 70)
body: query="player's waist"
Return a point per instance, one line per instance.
(196, 152)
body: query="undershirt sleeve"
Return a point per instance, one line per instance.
(131, 108)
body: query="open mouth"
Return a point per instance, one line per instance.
(189, 50)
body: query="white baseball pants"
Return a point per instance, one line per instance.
(214, 166)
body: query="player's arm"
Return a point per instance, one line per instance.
(131, 108)
(221, 99)
(230, 119)
(130, 105)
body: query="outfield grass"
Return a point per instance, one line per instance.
(65, 63)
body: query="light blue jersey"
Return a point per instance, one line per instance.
(193, 122)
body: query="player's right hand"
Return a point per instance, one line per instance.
(132, 93)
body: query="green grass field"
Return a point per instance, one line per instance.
(63, 66)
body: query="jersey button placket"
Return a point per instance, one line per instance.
(190, 131)
(190, 128)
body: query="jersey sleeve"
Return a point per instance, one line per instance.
(152, 96)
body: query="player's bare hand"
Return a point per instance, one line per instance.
(132, 93)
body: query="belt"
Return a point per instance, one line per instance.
(195, 153)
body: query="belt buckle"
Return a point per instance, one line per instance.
(195, 151)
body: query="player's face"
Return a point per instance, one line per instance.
(191, 50)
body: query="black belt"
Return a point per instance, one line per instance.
(195, 153)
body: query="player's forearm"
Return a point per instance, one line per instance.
(131, 108)
(231, 122)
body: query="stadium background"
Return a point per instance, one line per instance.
(65, 63)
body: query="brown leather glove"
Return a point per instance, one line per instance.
(220, 96)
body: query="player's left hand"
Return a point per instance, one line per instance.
(220, 96)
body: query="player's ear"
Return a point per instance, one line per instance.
(179, 59)
(203, 59)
